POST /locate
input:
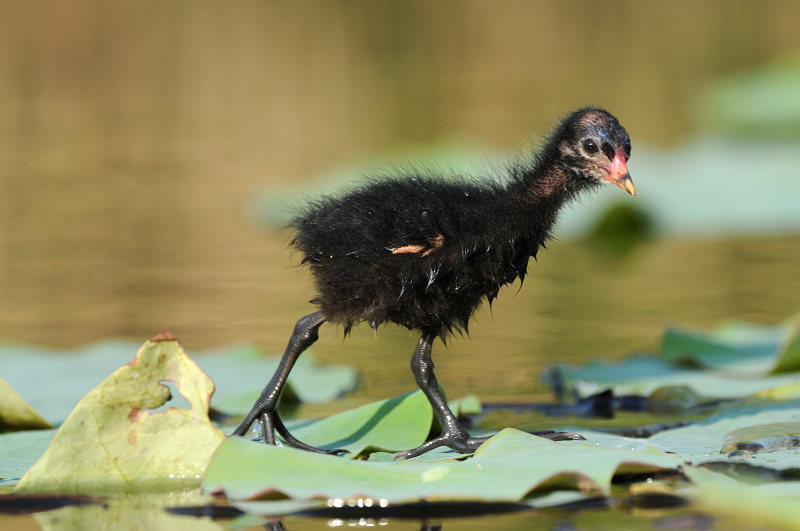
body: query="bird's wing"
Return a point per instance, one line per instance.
(432, 245)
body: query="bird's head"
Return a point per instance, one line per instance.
(593, 145)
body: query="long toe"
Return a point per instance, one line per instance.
(421, 449)
(475, 442)
(300, 445)
(292, 441)
(558, 435)
(460, 444)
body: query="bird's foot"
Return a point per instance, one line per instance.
(271, 423)
(558, 435)
(459, 442)
(464, 444)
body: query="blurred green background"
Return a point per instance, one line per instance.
(147, 148)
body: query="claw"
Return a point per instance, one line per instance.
(270, 422)
(458, 442)
(558, 435)
(292, 441)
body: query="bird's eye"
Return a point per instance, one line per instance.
(590, 146)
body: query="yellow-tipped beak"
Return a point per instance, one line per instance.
(618, 173)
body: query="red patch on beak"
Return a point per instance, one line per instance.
(618, 173)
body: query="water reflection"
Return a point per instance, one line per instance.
(134, 135)
(591, 512)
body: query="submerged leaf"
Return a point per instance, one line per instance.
(114, 441)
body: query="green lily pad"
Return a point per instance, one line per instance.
(740, 347)
(391, 425)
(509, 467)
(735, 360)
(16, 414)
(468, 405)
(764, 438)
(707, 440)
(114, 441)
(757, 103)
(379, 429)
(20, 450)
(642, 375)
(63, 377)
(789, 354)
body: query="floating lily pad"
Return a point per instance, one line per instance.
(740, 347)
(391, 425)
(642, 375)
(509, 467)
(764, 438)
(379, 428)
(761, 102)
(707, 440)
(62, 378)
(114, 441)
(16, 414)
(735, 360)
(20, 450)
(468, 405)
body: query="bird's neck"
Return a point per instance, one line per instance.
(538, 196)
(551, 188)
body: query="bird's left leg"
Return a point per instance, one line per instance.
(454, 435)
(265, 409)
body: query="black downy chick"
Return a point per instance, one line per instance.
(425, 252)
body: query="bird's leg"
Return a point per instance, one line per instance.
(454, 436)
(265, 409)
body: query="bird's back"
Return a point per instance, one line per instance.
(420, 252)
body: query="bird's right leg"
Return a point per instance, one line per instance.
(265, 408)
(454, 435)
